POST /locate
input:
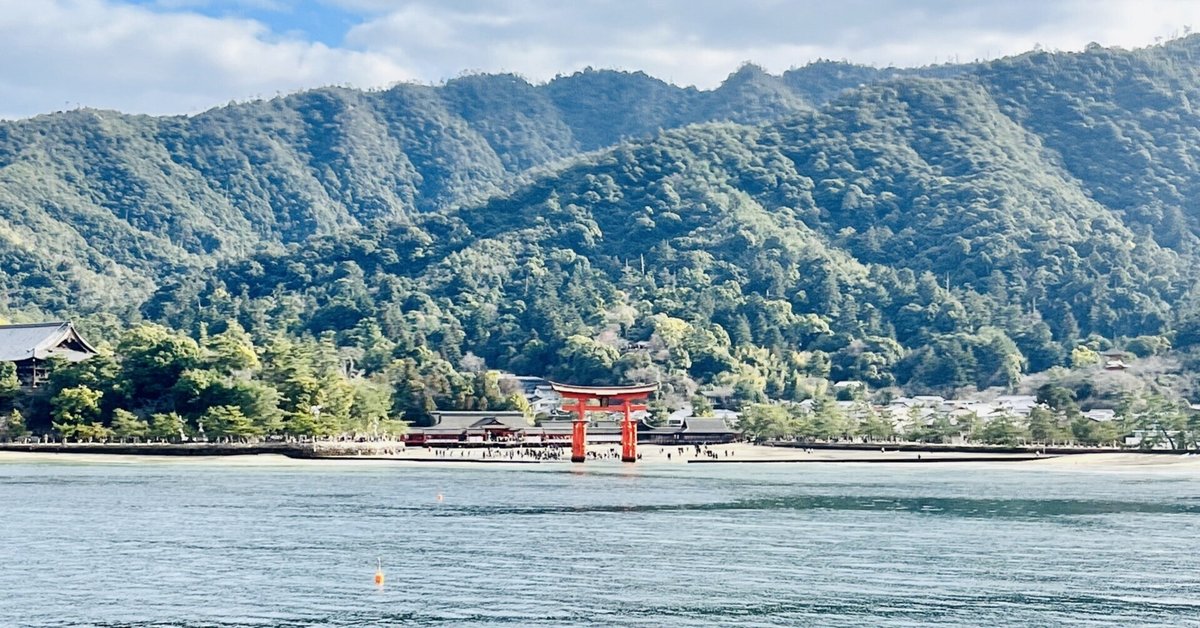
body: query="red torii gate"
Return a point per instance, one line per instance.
(609, 399)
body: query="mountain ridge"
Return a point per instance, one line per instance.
(186, 188)
(933, 231)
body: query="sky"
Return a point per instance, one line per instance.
(186, 56)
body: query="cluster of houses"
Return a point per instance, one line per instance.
(543, 399)
(903, 411)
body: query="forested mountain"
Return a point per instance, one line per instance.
(96, 199)
(946, 227)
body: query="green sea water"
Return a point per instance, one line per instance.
(207, 544)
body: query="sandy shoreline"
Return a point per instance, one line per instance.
(651, 454)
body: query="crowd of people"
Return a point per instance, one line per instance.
(551, 453)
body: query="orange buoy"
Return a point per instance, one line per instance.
(439, 497)
(379, 572)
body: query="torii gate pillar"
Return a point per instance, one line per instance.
(579, 434)
(608, 399)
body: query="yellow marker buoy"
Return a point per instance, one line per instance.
(379, 571)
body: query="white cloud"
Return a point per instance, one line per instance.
(699, 42)
(171, 59)
(59, 53)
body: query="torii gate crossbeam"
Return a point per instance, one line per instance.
(608, 399)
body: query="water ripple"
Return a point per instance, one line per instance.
(205, 546)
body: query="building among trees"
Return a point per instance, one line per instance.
(31, 345)
(513, 428)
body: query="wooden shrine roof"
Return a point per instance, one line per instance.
(39, 341)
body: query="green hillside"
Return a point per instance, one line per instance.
(935, 228)
(909, 232)
(110, 201)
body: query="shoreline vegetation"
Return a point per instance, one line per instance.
(394, 451)
(768, 266)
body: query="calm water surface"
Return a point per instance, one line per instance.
(208, 544)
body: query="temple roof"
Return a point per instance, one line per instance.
(41, 341)
(462, 420)
(707, 425)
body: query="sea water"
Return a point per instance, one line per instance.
(214, 544)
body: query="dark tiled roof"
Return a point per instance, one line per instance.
(464, 420)
(41, 341)
(661, 430)
(707, 426)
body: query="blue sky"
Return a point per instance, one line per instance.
(324, 22)
(185, 56)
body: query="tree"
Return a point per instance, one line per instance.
(196, 390)
(335, 400)
(9, 384)
(229, 422)
(588, 362)
(372, 406)
(100, 373)
(75, 411)
(1001, 430)
(516, 401)
(392, 428)
(766, 422)
(939, 429)
(487, 391)
(827, 421)
(850, 393)
(93, 432)
(947, 364)
(259, 401)
(1146, 346)
(152, 360)
(231, 350)
(658, 411)
(1043, 426)
(13, 426)
(1059, 398)
(1083, 356)
(1159, 419)
(875, 427)
(411, 397)
(915, 424)
(127, 425)
(999, 361)
(968, 425)
(1089, 432)
(1192, 431)
(167, 426)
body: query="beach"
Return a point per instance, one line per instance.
(650, 454)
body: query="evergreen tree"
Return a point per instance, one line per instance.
(127, 425)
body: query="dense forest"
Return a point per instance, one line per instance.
(931, 229)
(95, 200)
